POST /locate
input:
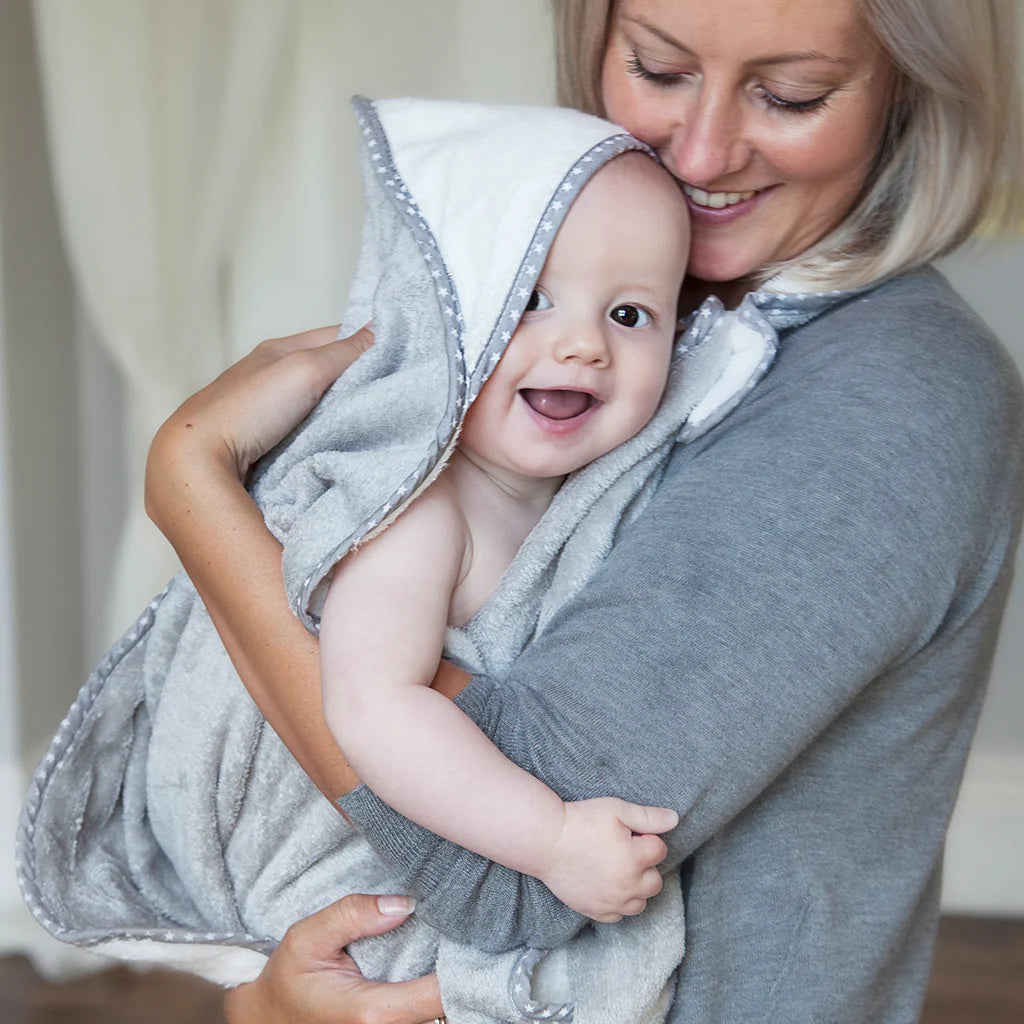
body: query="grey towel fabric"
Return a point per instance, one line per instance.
(167, 821)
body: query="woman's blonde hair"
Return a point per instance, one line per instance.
(951, 155)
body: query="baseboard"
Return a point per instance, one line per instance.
(984, 870)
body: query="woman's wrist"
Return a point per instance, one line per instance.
(241, 1004)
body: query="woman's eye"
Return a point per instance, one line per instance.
(637, 68)
(630, 316)
(793, 106)
(538, 300)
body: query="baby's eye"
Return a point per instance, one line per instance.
(630, 316)
(538, 300)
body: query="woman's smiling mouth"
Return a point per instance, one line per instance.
(719, 208)
(715, 200)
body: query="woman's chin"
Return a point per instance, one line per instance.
(720, 265)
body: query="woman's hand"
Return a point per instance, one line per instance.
(251, 406)
(311, 979)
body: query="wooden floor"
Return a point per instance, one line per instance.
(978, 979)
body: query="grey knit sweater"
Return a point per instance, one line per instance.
(790, 647)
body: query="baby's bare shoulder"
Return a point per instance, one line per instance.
(434, 519)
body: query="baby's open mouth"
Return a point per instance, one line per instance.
(557, 403)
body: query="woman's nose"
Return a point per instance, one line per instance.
(708, 142)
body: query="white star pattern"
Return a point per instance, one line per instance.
(557, 204)
(506, 336)
(546, 225)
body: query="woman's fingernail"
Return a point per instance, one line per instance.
(396, 906)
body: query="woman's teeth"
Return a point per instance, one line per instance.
(716, 200)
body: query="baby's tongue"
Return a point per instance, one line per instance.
(556, 404)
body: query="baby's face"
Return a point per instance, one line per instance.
(587, 365)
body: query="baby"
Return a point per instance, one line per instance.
(584, 372)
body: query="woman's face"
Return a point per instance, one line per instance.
(768, 111)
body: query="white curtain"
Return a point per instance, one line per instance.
(204, 160)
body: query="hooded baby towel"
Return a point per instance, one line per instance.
(167, 821)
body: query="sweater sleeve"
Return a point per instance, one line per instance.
(861, 503)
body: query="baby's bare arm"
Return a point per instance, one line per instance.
(381, 636)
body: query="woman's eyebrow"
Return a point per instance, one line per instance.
(792, 58)
(780, 58)
(664, 36)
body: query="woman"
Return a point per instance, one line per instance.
(790, 645)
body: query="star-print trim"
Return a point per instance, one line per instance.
(25, 864)
(520, 984)
(518, 296)
(392, 184)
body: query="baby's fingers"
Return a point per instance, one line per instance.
(647, 851)
(647, 819)
(650, 885)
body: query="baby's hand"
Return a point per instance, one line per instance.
(600, 866)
